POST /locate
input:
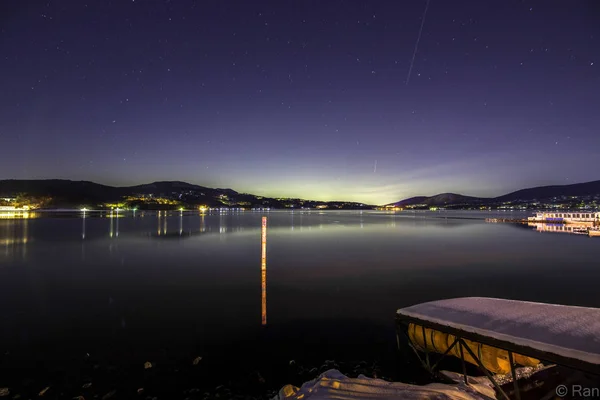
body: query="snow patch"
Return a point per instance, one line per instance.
(333, 384)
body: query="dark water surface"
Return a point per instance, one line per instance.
(134, 289)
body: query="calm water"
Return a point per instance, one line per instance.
(133, 287)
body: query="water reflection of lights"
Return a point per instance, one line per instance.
(263, 270)
(83, 211)
(17, 215)
(292, 220)
(222, 223)
(114, 225)
(202, 224)
(162, 217)
(580, 229)
(14, 235)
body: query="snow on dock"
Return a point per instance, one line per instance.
(333, 384)
(566, 335)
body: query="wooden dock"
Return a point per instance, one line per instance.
(506, 220)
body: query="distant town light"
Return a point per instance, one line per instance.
(84, 209)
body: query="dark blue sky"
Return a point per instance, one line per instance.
(303, 98)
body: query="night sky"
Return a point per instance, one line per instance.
(298, 98)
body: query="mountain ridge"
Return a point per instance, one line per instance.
(529, 194)
(83, 193)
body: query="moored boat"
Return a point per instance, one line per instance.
(566, 217)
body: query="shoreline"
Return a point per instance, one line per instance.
(175, 377)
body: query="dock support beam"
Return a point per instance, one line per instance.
(462, 360)
(458, 341)
(426, 351)
(444, 355)
(484, 370)
(514, 375)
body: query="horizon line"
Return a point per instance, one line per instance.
(295, 198)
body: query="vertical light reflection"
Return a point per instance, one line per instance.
(5, 239)
(202, 225)
(14, 235)
(25, 237)
(111, 227)
(158, 229)
(83, 236)
(180, 223)
(222, 223)
(83, 226)
(263, 270)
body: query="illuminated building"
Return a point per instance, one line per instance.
(12, 208)
(390, 208)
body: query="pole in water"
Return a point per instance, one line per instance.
(417, 43)
(263, 270)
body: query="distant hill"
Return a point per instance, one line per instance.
(83, 191)
(531, 194)
(67, 193)
(175, 186)
(547, 192)
(440, 200)
(411, 201)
